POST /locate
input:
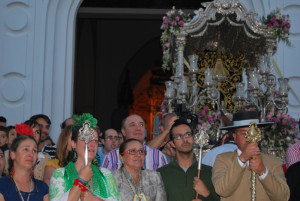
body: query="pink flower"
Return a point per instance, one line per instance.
(286, 30)
(288, 25)
(283, 122)
(203, 113)
(200, 121)
(276, 25)
(177, 18)
(274, 126)
(284, 23)
(269, 116)
(181, 23)
(205, 108)
(173, 23)
(279, 115)
(164, 26)
(273, 19)
(269, 25)
(165, 101)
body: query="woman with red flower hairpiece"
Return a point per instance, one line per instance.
(32, 128)
(19, 185)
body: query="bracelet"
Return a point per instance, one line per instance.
(80, 179)
(80, 184)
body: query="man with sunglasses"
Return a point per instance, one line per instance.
(180, 175)
(110, 141)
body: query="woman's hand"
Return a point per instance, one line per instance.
(86, 172)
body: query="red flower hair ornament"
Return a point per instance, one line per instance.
(24, 129)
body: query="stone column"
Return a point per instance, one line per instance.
(37, 59)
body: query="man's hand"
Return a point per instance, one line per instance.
(251, 149)
(200, 187)
(169, 149)
(256, 164)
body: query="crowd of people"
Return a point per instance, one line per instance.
(86, 164)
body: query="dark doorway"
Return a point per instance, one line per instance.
(113, 52)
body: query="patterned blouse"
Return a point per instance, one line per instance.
(57, 189)
(151, 185)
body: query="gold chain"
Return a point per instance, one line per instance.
(130, 184)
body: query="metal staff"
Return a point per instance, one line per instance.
(86, 134)
(253, 135)
(201, 139)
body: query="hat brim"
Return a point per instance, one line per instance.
(246, 125)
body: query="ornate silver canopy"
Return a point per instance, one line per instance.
(226, 25)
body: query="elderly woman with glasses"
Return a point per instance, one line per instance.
(134, 182)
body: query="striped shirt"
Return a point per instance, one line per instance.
(153, 160)
(293, 154)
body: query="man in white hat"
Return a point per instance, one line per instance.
(232, 170)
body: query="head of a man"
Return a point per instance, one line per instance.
(67, 122)
(240, 134)
(3, 135)
(165, 120)
(133, 126)
(110, 140)
(45, 123)
(182, 135)
(240, 125)
(2, 121)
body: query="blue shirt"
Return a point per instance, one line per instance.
(101, 155)
(210, 157)
(9, 192)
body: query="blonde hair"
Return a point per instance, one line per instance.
(62, 145)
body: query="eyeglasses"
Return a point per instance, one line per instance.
(135, 152)
(182, 136)
(112, 137)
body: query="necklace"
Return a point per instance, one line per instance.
(141, 196)
(19, 192)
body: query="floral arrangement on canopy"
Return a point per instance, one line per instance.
(279, 24)
(281, 134)
(210, 121)
(171, 25)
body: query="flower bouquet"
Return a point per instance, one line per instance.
(281, 134)
(279, 24)
(210, 121)
(171, 25)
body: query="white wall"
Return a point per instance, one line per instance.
(37, 51)
(36, 59)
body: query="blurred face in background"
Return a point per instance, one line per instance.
(111, 140)
(3, 138)
(45, 126)
(36, 133)
(12, 134)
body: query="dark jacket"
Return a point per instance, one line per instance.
(179, 184)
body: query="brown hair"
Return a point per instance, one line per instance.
(62, 145)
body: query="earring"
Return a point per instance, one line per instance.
(74, 155)
(96, 160)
